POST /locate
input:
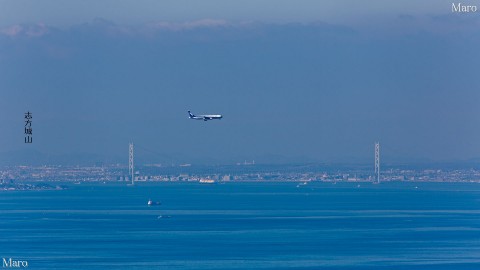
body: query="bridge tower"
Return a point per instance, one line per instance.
(377, 162)
(131, 170)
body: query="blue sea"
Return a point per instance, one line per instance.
(244, 226)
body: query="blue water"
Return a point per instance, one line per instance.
(244, 226)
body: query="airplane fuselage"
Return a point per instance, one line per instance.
(205, 117)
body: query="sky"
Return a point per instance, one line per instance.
(296, 81)
(61, 13)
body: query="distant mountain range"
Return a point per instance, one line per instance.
(37, 158)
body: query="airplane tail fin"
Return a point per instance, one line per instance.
(191, 115)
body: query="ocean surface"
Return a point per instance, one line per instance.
(244, 226)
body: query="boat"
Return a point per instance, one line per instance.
(207, 181)
(150, 203)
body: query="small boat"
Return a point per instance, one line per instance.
(206, 181)
(150, 203)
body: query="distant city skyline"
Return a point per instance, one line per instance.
(292, 85)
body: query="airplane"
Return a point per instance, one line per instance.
(205, 117)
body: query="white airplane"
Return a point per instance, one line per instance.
(205, 117)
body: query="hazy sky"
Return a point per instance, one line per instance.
(61, 13)
(295, 80)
